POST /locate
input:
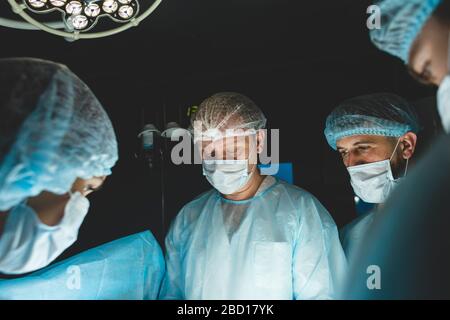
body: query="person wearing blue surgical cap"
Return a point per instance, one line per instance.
(376, 136)
(409, 259)
(418, 32)
(252, 236)
(57, 145)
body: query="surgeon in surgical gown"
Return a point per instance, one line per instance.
(376, 136)
(57, 146)
(252, 236)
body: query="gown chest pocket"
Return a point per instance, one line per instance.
(272, 263)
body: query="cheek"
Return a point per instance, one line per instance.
(79, 185)
(373, 155)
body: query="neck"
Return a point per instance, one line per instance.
(49, 207)
(249, 190)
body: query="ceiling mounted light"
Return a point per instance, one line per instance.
(79, 16)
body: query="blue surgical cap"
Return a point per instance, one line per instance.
(53, 130)
(401, 23)
(381, 114)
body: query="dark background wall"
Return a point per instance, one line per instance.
(296, 59)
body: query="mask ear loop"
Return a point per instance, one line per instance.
(406, 168)
(393, 153)
(395, 149)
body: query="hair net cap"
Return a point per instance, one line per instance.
(226, 111)
(53, 130)
(401, 23)
(382, 114)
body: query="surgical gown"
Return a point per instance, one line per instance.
(130, 268)
(281, 244)
(352, 235)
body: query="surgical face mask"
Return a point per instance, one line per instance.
(27, 244)
(443, 102)
(227, 176)
(443, 97)
(374, 182)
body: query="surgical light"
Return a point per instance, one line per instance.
(79, 17)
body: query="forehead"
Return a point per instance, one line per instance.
(238, 141)
(213, 135)
(348, 142)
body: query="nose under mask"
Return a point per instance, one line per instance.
(226, 176)
(374, 182)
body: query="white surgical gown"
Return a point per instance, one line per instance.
(281, 244)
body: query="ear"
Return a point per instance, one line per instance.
(408, 142)
(261, 138)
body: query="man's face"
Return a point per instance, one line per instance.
(428, 61)
(363, 149)
(229, 148)
(244, 147)
(87, 186)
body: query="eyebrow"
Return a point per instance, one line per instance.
(97, 189)
(357, 144)
(419, 76)
(364, 142)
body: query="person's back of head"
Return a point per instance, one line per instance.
(53, 130)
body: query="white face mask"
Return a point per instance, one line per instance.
(227, 176)
(27, 244)
(374, 182)
(443, 97)
(76, 209)
(443, 101)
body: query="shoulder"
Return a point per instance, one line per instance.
(309, 209)
(291, 189)
(297, 194)
(192, 210)
(358, 226)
